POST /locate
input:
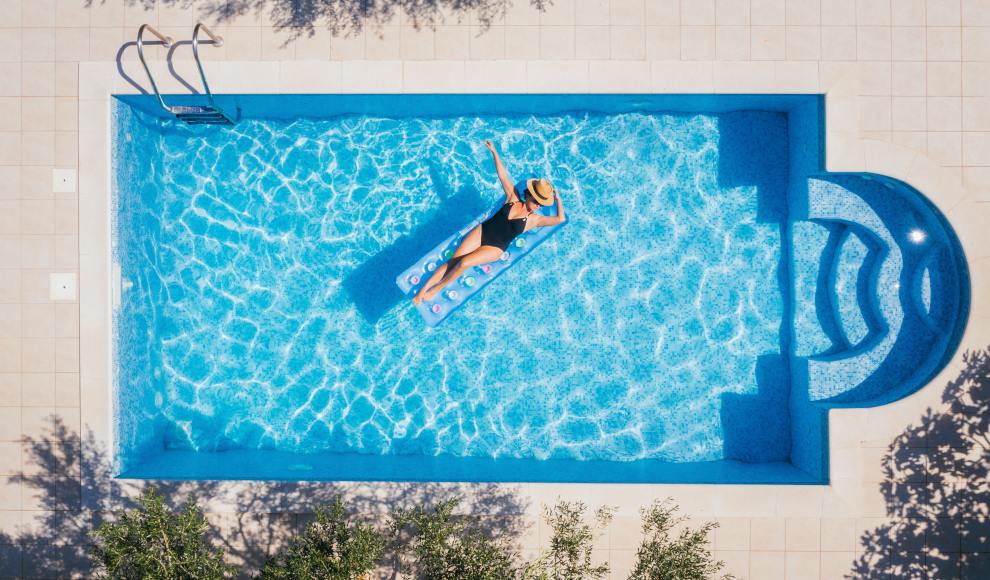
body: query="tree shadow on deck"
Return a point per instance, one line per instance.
(301, 18)
(68, 491)
(936, 490)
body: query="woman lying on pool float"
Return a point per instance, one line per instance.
(488, 241)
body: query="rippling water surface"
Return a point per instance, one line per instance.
(263, 261)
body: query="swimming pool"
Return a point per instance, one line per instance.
(713, 295)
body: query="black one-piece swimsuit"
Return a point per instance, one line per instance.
(499, 230)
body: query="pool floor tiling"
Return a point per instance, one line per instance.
(715, 293)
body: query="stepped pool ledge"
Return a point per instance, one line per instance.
(716, 293)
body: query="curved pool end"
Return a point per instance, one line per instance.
(849, 427)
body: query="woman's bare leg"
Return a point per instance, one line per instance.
(482, 255)
(470, 243)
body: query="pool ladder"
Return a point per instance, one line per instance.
(205, 115)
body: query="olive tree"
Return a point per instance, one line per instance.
(683, 557)
(152, 543)
(331, 548)
(568, 557)
(442, 546)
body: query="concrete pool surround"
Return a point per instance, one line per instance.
(849, 494)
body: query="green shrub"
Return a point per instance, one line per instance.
(330, 549)
(569, 555)
(151, 543)
(447, 547)
(685, 558)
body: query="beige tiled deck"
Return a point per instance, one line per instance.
(914, 73)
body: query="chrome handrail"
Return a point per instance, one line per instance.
(167, 42)
(217, 42)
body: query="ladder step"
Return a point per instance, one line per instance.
(192, 110)
(200, 115)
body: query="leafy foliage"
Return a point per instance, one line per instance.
(330, 549)
(569, 555)
(685, 557)
(448, 547)
(151, 543)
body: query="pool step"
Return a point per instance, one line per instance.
(812, 247)
(849, 286)
(834, 373)
(831, 264)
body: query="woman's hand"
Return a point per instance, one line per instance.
(542, 220)
(490, 145)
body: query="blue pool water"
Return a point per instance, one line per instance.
(258, 310)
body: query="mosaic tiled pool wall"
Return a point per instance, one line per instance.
(136, 188)
(789, 405)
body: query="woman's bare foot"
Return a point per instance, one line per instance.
(424, 294)
(429, 294)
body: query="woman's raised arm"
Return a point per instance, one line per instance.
(544, 220)
(503, 175)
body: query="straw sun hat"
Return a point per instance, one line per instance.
(540, 190)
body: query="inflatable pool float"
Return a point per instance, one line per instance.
(471, 283)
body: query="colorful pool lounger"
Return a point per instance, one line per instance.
(470, 283)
